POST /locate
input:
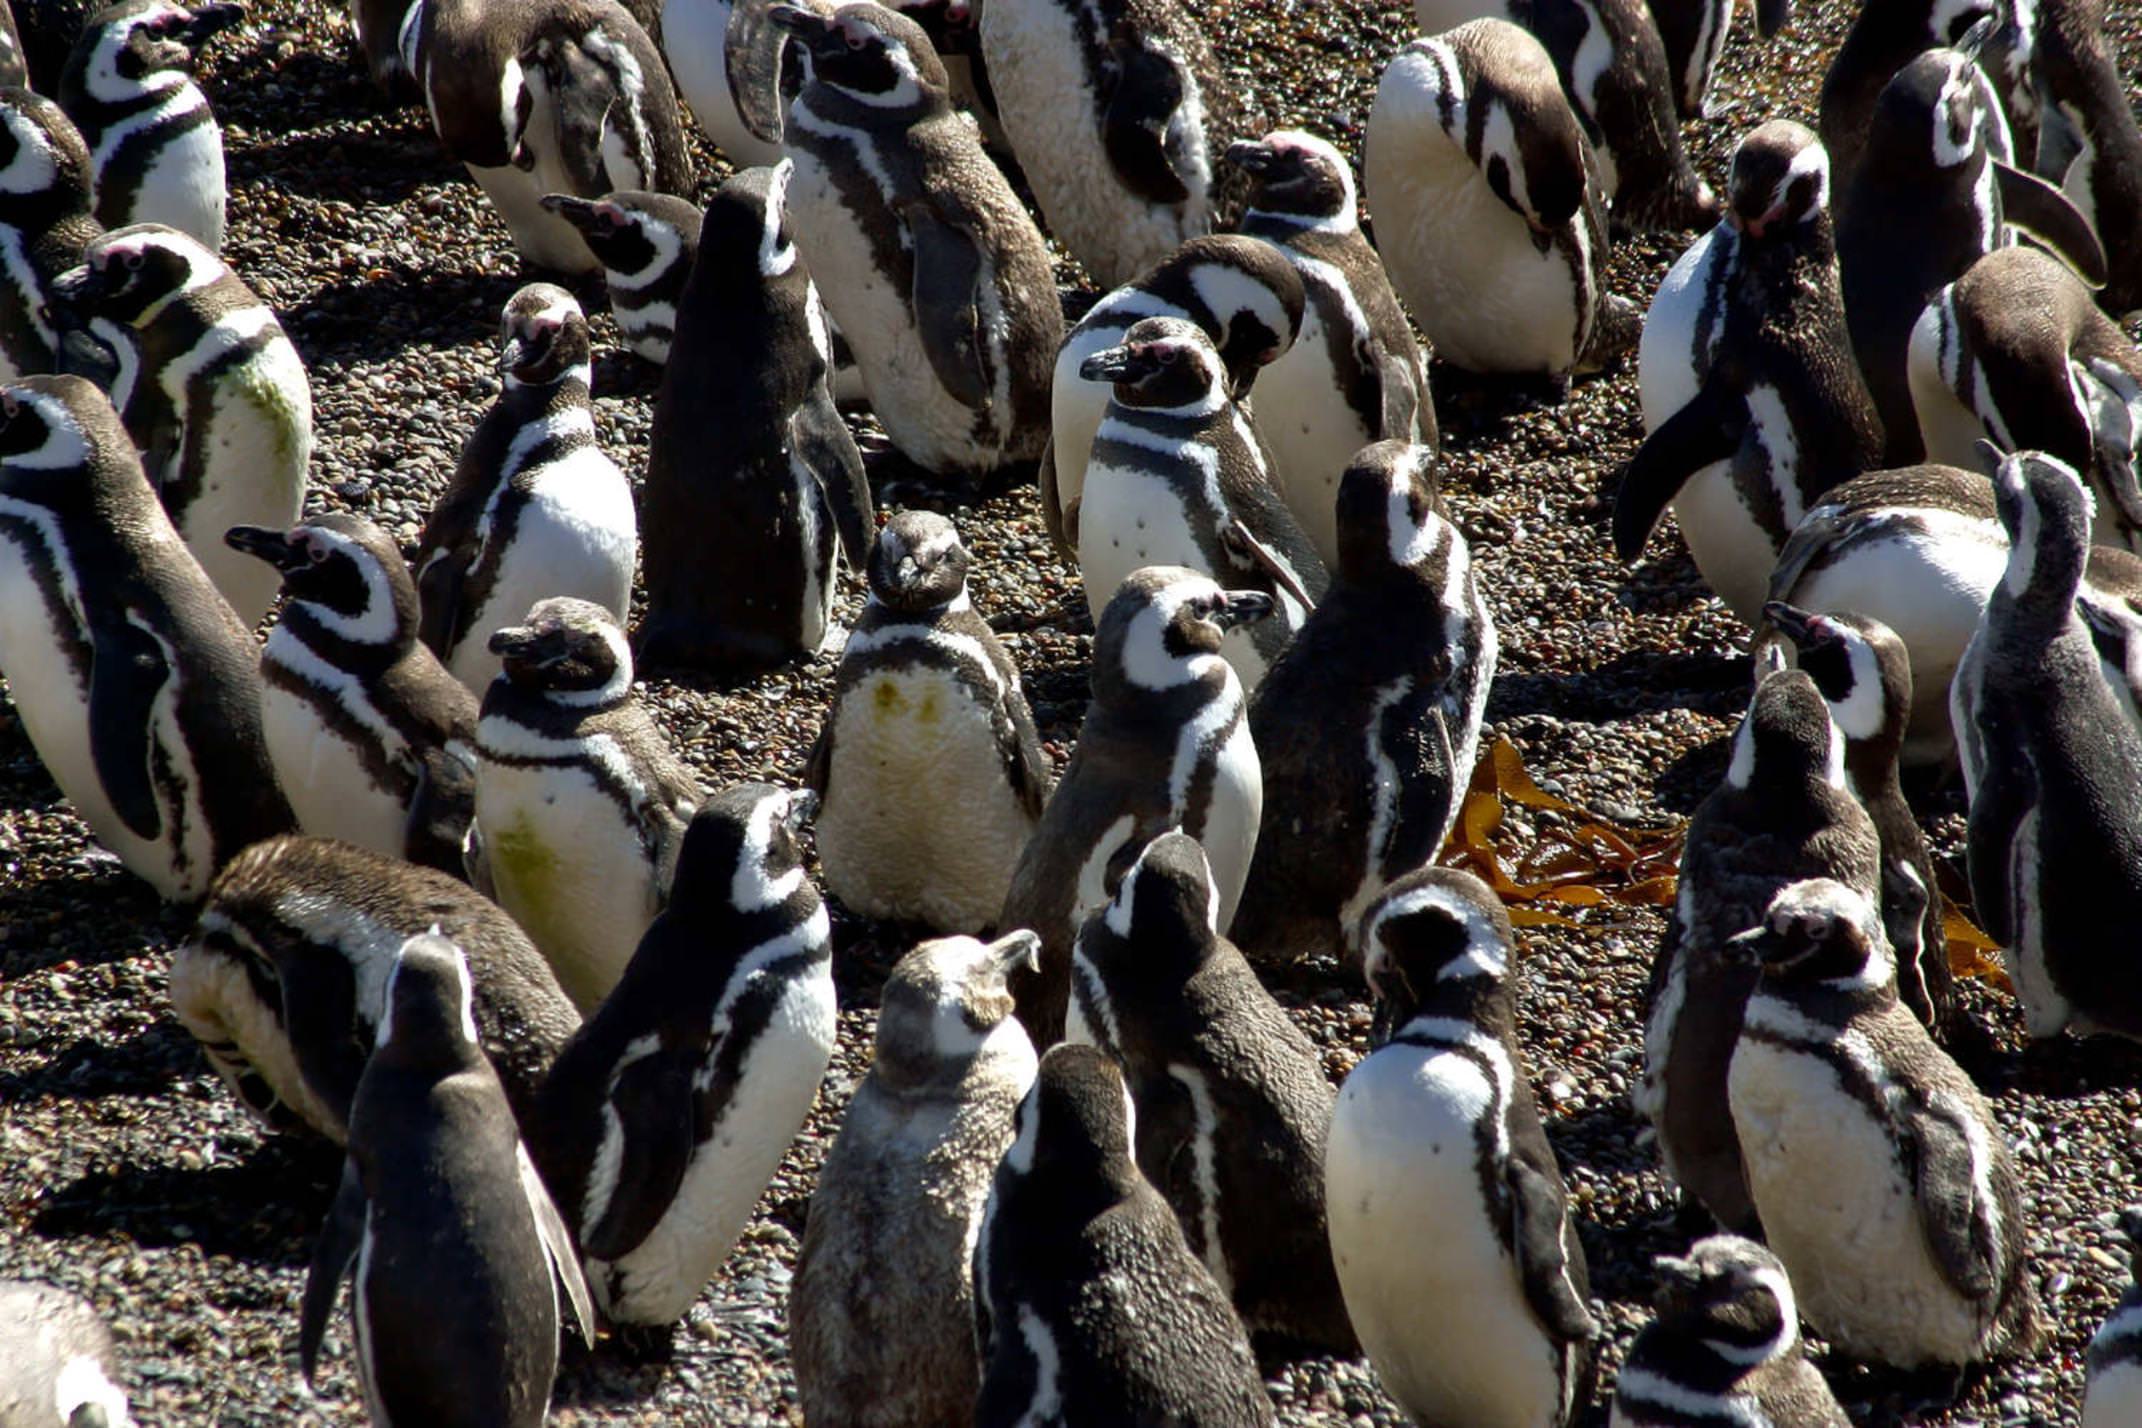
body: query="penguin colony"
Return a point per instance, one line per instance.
(460, 908)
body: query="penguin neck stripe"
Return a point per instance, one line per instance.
(751, 890)
(33, 169)
(965, 650)
(776, 257)
(1642, 1386)
(106, 85)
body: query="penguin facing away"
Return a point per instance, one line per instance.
(58, 1365)
(2088, 140)
(47, 222)
(2112, 1393)
(646, 243)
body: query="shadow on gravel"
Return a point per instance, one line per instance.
(354, 168)
(1689, 779)
(88, 1069)
(1636, 682)
(266, 1208)
(366, 317)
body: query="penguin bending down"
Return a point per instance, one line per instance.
(2088, 140)
(646, 243)
(2112, 1393)
(45, 223)
(58, 1365)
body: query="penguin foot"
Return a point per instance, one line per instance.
(1476, 403)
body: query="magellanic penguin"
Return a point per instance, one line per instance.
(2016, 352)
(1450, 1223)
(370, 735)
(646, 243)
(1884, 39)
(2112, 1393)
(1233, 1107)
(1368, 726)
(211, 389)
(939, 280)
(138, 687)
(282, 979)
(1752, 399)
(1783, 814)
(2088, 139)
(881, 1311)
(1694, 33)
(1244, 293)
(1491, 221)
(535, 509)
(737, 77)
(1166, 744)
(932, 775)
(459, 1253)
(1354, 376)
(665, 1118)
(754, 484)
(1089, 1305)
(580, 803)
(1885, 1186)
(1724, 1347)
(58, 1365)
(1179, 476)
(2051, 760)
(156, 152)
(386, 36)
(14, 65)
(45, 223)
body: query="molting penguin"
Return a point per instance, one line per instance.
(138, 687)
(1368, 726)
(1449, 1220)
(1089, 1305)
(45, 223)
(58, 1365)
(2088, 140)
(646, 243)
(932, 775)
(2112, 1394)
(1166, 744)
(458, 1251)
(881, 1312)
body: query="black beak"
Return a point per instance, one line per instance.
(580, 212)
(526, 646)
(1115, 364)
(1750, 949)
(1015, 950)
(263, 544)
(1251, 156)
(1243, 607)
(80, 287)
(1793, 622)
(212, 19)
(1678, 1280)
(812, 28)
(802, 808)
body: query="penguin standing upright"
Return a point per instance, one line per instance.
(1450, 1224)
(2112, 1392)
(746, 447)
(2088, 140)
(646, 243)
(138, 688)
(45, 223)
(881, 1311)
(459, 1253)
(1694, 34)
(1882, 40)
(58, 1365)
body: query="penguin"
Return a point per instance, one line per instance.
(1354, 376)
(2051, 761)
(46, 220)
(1242, 291)
(459, 1254)
(138, 687)
(2112, 1392)
(936, 276)
(646, 243)
(1725, 1346)
(156, 151)
(931, 772)
(58, 1365)
(747, 447)
(1179, 476)
(14, 65)
(535, 509)
(1232, 1102)
(666, 1116)
(210, 388)
(370, 736)
(1369, 725)
(1165, 744)
(1885, 1186)
(1694, 35)
(1492, 223)
(1450, 1224)
(282, 977)
(580, 802)
(881, 1310)
(1753, 402)
(2016, 352)
(1080, 1261)
(735, 72)
(2088, 141)
(1783, 814)
(1882, 40)
(386, 34)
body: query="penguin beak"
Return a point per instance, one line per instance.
(802, 808)
(1243, 607)
(1794, 623)
(275, 547)
(580, 212)
(212, 19)
(1116, 364)
(1752, 948)
(526, 647)
(813, 29)
(1251, 157)
(79, 286)
(1015, 951)
(1678, 1281)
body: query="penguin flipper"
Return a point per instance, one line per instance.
(2006, 792)
(1958, 1223)
(1708, 429)
(651, 1099)
(2043, 211)
(1401, 400)
(1416, 738)
(948, 274)
(1167, 1150)
(476, 861)
(1143, 89)
(126, 673)
(439, 582)
(1062, 525)
(1020, 743)
(340, 1237)
(440, 810)
(558, 1244)
(2060, 139)
(822, 441)
(752, 54)
(1538, 1221)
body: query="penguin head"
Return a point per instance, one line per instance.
(1388, 516)
(428, 1015)
(1163, 364)
(50, 429)
(543, 338)
(148, 46)
(746, 234)
(1298, 175)
(1959, 22)
(2047, 512)
(874, 56)
(1859, 664)
(947, 1000)
(1938, 109)
(572, 651)
(1165, 915)
(635, 234)
(918, 564)
(1162, 629)
(1786, 740)
(1817, 931)
(1076, 1124)
(1435, 931)
(132, 275)
(44, 165)
(345, 569)
(1252, 292)
(1781, 180)
(1494, 90)
(744, 850)
(1732, 1295)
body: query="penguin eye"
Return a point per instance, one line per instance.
(1168, 356)
(855, 41)
(132, 261)
(317, 554)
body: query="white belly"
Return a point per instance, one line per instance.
(183, 187)
(2114, 1398)
(1230, 832)
(1669, 371)
(695, 40)
(542, 237)
(1950, 429)
(327, 784)
(1076, 407)
(1311, 431)
(259, 446)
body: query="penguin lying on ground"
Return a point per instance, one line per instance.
(646, 243)
(58, 1365)
(45, 223)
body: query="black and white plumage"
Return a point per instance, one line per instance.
(2112, 1392)
(2088, 140)
(1368, 727)
(646, 243)
(459, 1255)
(58, 1365)
(1882, 40)
(535, 509)
(1090, 1307)
(1450, 1224)
(1694, 33)
(14, 64)
(45, 223)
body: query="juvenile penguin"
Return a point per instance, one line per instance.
(1166, 744)
(1753, 402)
(210, 388)
(1725, 1346)
(282, 979)
(45, 223)
(747, 452)
(369, 733)
(1449, 1220)
(1232, 1102)
(664, 1119)
(580, 802)
(459, 1254)
(535, 509)
(1179, 476)
(2112, 1394)
(881, 1312)
(2088, 140)
(156, 152)
(1089, 1305)
(58, 1365)
(932, 774)
(138, 687)
(646, 243)
(1369, 725)
(1885, 1186)
(1354, 376)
